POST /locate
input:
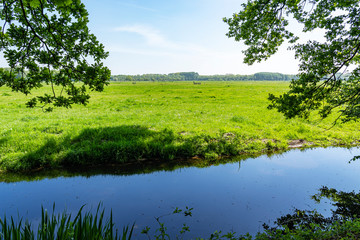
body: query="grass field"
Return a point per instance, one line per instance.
(152, 120)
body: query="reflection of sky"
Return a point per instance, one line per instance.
(224, 197)
(321, 158)
(298, 162)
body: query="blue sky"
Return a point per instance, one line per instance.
(156, 36)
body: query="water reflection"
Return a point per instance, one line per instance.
(238, 196)
(346, 208)
(128, 169)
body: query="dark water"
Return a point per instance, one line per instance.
(237, 196)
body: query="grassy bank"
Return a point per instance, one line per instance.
(165, 121)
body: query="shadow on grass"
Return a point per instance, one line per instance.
(108, 145)
(124, 150)
(3, 140)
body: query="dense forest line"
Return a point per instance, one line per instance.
(194, 76)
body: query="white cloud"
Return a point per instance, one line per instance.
(120, 49)
(151, 35)
(137, 6)
(154, 38)
(157, 50)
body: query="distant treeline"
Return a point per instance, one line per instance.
(194, 76)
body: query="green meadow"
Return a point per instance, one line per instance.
(165, 121)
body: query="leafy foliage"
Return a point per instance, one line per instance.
(161, 232)
(263, 25)
(48, 42)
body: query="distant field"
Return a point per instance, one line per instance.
(171, 120)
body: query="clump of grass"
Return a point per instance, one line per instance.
(29, 118)
(239, 119)
(63, 227)
(52, 130)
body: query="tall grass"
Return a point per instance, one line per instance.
(86, 226)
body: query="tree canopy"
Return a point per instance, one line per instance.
(263, 25)
(48, 42)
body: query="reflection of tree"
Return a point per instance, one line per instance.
(347, 208)
(347, 203)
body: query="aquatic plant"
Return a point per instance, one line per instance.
(88, 226)
(84, 226)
